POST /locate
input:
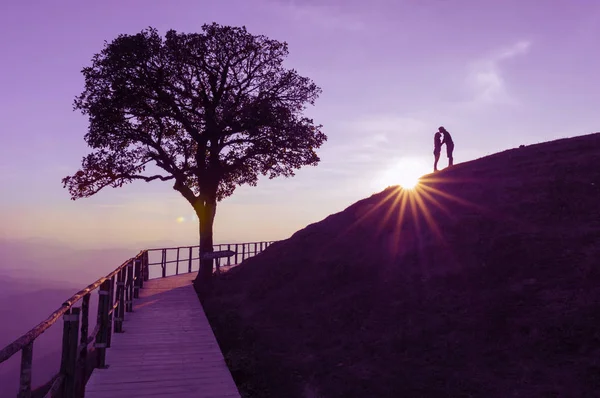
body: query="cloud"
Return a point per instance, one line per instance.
(324, 16)
(521, 47)
(486, 77)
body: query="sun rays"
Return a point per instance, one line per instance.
(413, 214)
(400, 221)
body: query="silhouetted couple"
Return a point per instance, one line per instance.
(438, 141)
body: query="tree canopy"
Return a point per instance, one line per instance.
(213, 110)
(209, 111)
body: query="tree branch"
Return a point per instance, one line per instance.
(149, 178)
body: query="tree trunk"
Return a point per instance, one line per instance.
(205, 210)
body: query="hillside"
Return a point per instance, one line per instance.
(483, 282)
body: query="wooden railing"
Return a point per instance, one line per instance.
(183, 261)
(116, 292)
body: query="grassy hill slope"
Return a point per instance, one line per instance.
(483, 282)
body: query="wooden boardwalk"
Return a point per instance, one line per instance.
(167, 349)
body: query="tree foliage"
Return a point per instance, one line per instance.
(213, 110)
(210, 111)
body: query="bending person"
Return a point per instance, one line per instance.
(449, 144)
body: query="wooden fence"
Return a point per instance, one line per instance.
(182, 260)
(116, 292)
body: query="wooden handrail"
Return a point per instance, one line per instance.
(117, 292)
(28, 337)
(58, 379)
(253, 248)
(216, 244)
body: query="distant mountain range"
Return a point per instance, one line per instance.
(36, 277)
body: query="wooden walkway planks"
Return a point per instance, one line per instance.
(167, 349)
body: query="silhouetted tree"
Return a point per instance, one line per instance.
(213, 110)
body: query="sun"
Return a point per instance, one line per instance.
(408, 181)
(405, 172)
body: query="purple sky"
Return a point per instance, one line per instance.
(496, 73)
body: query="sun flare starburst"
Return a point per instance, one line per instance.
(409, 221)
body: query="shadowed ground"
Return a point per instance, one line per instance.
(482, 283)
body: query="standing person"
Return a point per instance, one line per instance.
(449, 144)
(437, 149)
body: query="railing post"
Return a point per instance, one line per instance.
(137, 281)
(164, 263)
(217, 265)
(120, 302)
(146, 265)
(25, 379)
(111, 312)
(129, 298)
(243, 251)
(177, 263)
(190, 260)
(236, 253)
(141, 271)
(121, 306)
(69, 352)
(228, 258)
(255, 248)
(82, 361)
(102, 320)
